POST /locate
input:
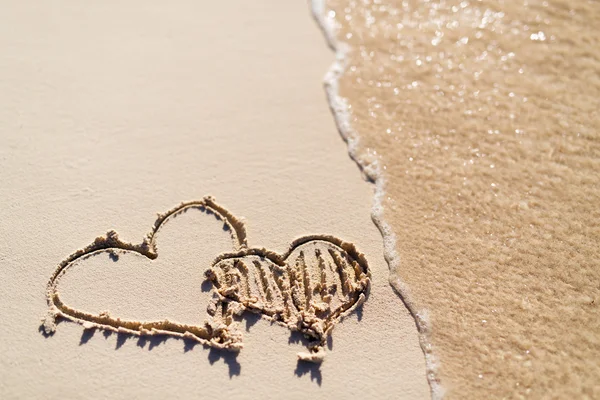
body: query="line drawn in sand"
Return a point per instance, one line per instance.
(308, 289)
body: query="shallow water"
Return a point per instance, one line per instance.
(480, 121)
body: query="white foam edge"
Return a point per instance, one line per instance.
(371, 170)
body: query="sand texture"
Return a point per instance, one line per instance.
(113, 112)
(479, 121)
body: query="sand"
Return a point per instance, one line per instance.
(112, 113)
(479, 121)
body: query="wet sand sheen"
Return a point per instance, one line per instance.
(481, 121)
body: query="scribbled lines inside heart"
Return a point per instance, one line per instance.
(308, 289)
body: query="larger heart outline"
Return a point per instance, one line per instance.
(314, 319)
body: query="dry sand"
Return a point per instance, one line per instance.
(112, 112)
(479, 120)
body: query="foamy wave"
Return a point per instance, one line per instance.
(372, 172)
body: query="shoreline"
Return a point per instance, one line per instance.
(477, 117)
(371, 172)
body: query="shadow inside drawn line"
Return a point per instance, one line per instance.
(189, 344)
(298, 338)
(251, 320)
(86, 336)
(228, 357)
(121, 339)
(43, 331)
(305, 367)
(206, 286)
(150, 342)
(144, 342)
(359, 312)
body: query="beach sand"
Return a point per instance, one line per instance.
(469, 180)
(114, 112)
(479, 121)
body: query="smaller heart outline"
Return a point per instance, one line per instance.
(301, 304)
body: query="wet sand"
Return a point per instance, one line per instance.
(113, 113)
(479, 121)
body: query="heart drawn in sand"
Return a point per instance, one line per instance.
(308, 289)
